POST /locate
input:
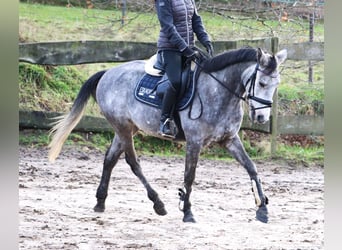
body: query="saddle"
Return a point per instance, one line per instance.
(151, 87)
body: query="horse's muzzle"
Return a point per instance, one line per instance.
(257, 117)
(261, 119)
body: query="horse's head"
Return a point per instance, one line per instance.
(262, 83)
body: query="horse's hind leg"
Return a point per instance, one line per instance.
(236, 148)
(132, 160)
(111, 158)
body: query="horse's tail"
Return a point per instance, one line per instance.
(66, 123)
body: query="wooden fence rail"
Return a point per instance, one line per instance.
(80, 52)
(308, 51)
(303, 124)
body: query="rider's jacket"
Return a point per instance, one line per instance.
(179, 21)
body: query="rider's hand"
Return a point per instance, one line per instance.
(189, 53)
(210, 48)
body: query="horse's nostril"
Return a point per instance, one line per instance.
(260, 118)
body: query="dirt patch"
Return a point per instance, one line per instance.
(56, 205)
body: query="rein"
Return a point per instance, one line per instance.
(251, 90)
(222, 84)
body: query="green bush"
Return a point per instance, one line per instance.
(47, 87)
(301, 98)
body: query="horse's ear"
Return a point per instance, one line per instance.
(281, 56)
(259, 54)
(261, 57)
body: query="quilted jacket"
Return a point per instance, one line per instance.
(179, 21)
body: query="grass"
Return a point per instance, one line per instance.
(56, 23)
(301, 99)
(146, 145)
(54, 88)
(301, 155)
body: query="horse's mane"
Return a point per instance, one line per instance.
(229, 58)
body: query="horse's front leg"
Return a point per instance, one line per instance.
(237, 150)
(192, 154)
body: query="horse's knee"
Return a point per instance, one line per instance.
(253, 174)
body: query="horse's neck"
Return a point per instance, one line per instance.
(234, 78)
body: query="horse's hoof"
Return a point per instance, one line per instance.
(262, 214)
(159, 208)
(99, 208)
(189, 217)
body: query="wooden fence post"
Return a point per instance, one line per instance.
(274, 113)
(274, 124)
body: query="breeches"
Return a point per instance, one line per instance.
(173, 64)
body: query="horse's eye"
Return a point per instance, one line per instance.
(262, 84)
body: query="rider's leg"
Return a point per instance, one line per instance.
(173, 69)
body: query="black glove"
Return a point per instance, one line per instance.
(210, 48)
(189, 53)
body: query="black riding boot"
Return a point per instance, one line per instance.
(167, 127)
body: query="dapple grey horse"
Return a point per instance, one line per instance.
(223, 84)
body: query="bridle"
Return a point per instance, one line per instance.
(251, 90)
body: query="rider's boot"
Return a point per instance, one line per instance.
(167, 127)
